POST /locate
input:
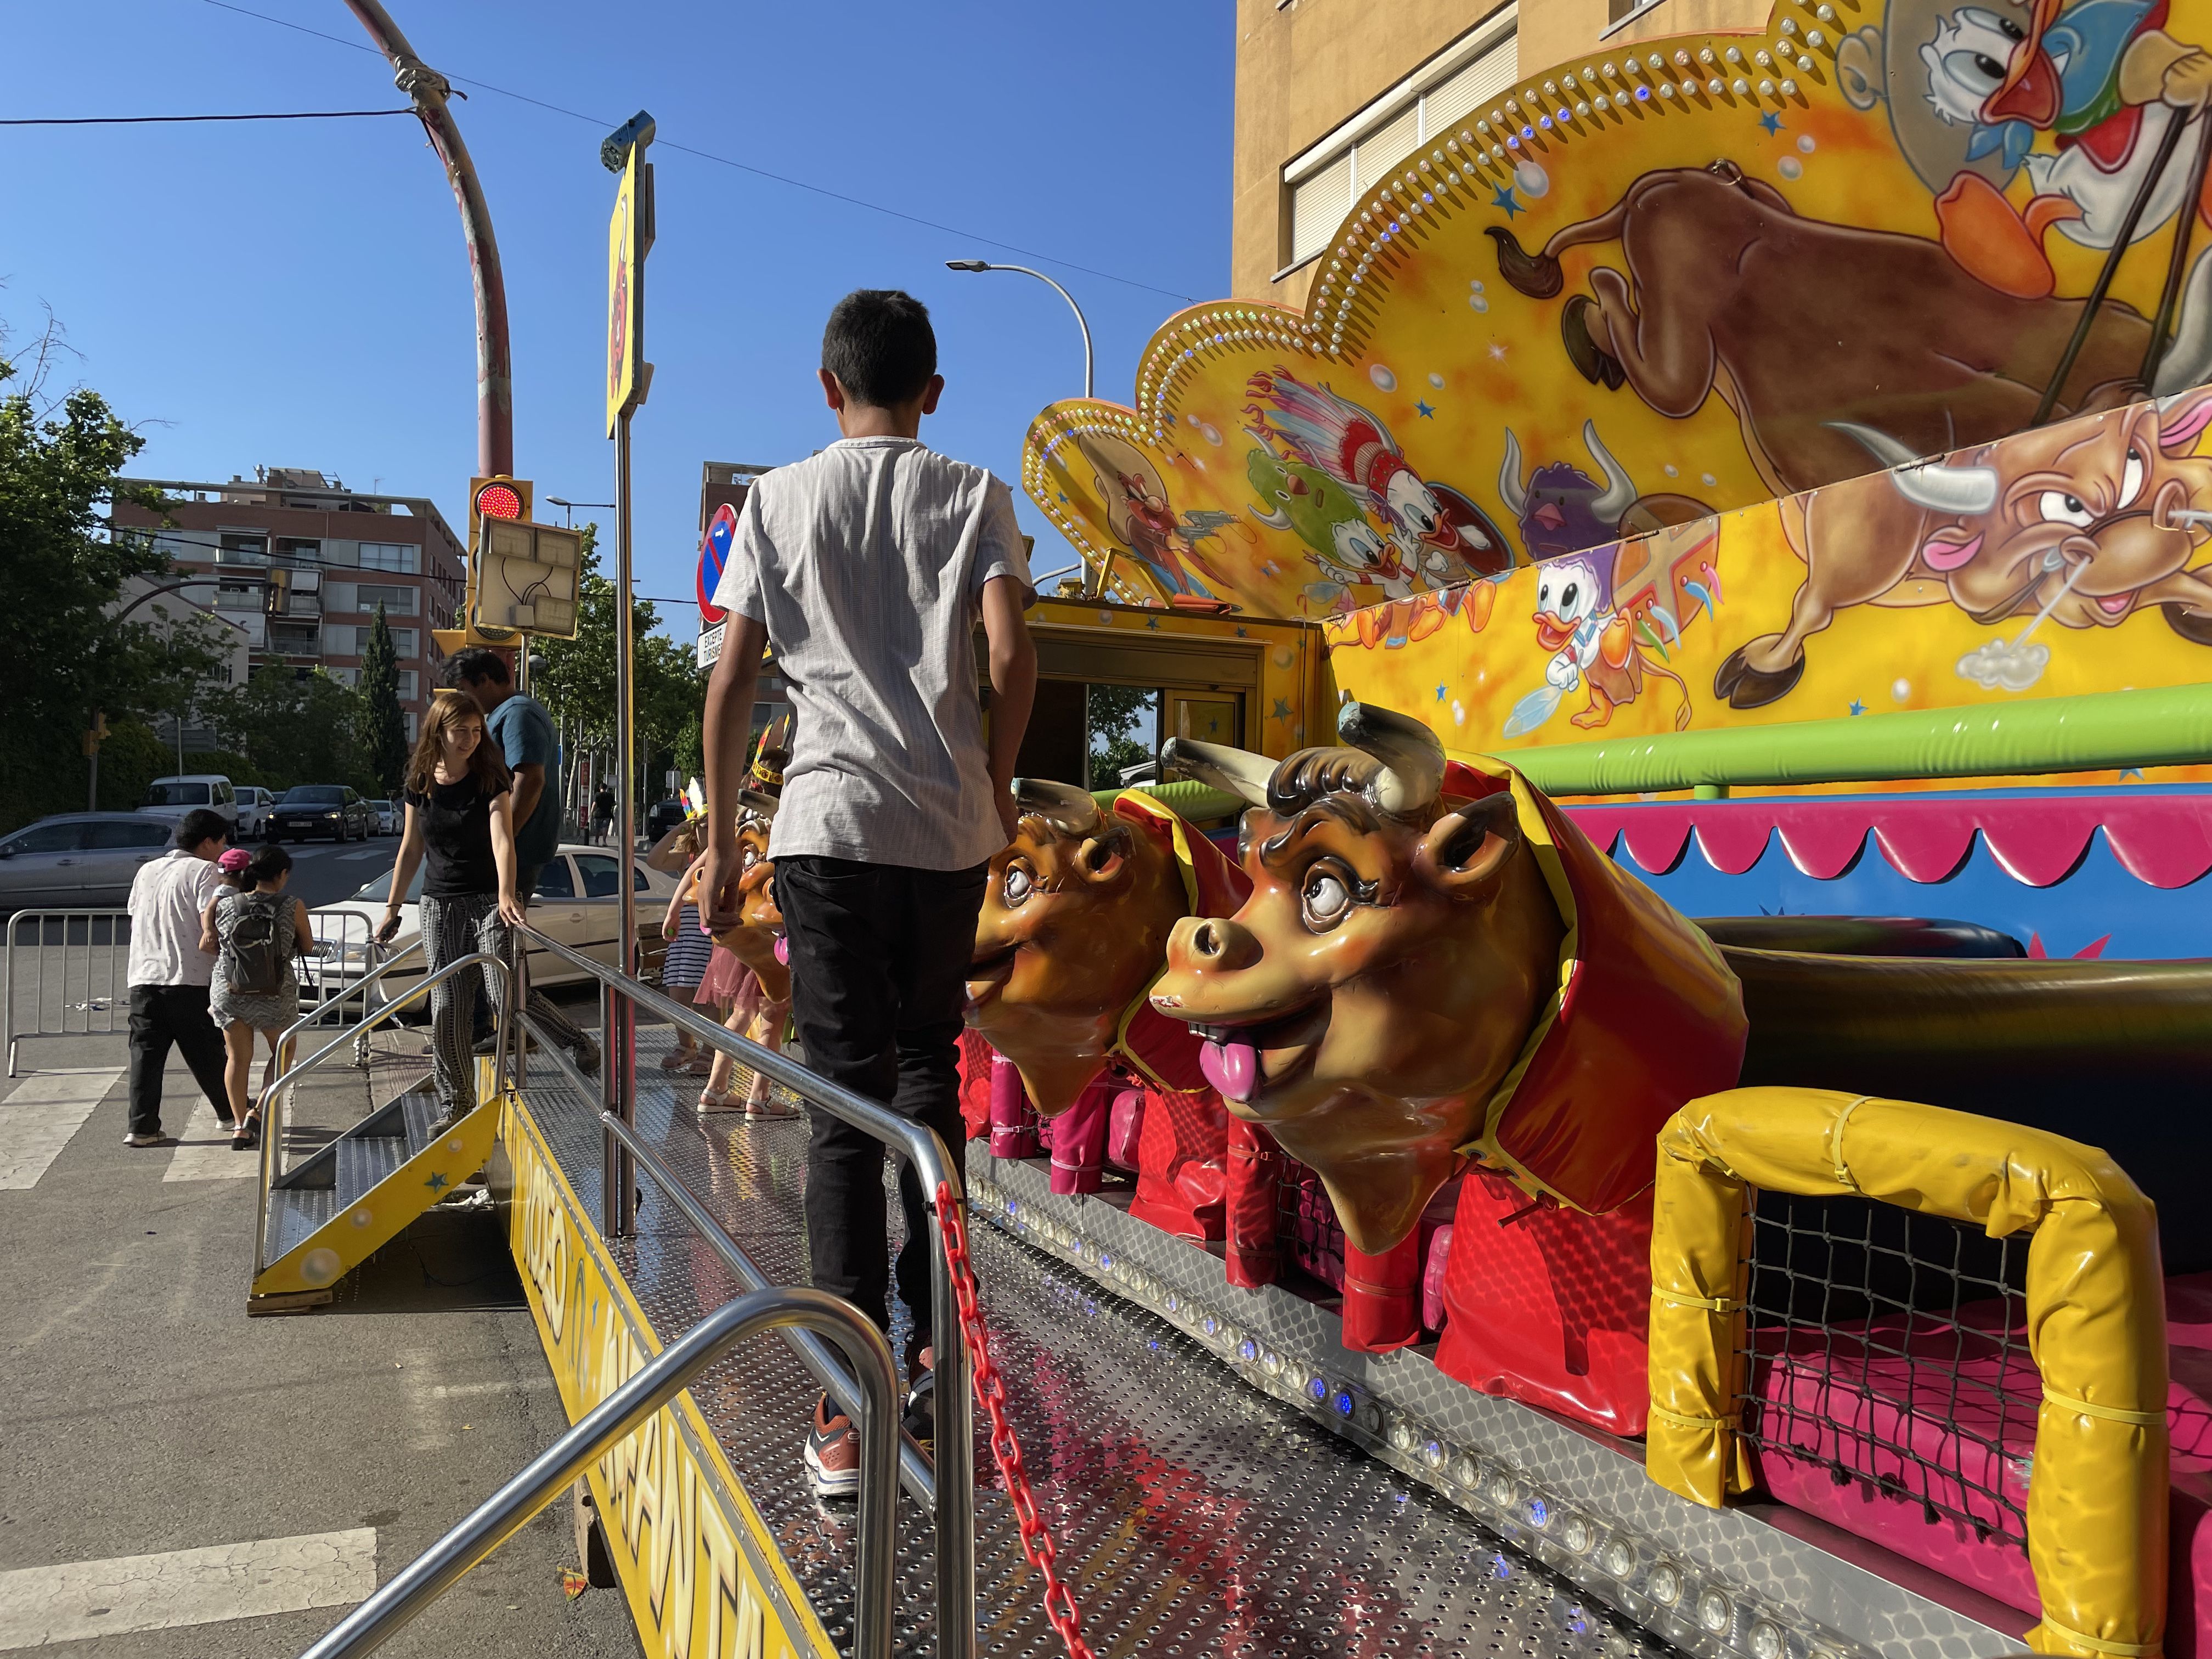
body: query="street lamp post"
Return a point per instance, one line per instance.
(985, 264)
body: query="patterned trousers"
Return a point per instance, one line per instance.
(452, 928)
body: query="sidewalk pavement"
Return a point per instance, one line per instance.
(147, 1415)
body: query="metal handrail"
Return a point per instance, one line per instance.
(272, 1132)
(917, 1470)
(500, 1517)
(398, 958)
(955, 1459)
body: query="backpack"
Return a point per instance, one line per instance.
(258, 967)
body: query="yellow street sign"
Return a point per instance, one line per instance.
(628, 233)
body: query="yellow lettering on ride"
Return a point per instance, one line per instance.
(673, 1555)
(546, 1244)
(726, 1580)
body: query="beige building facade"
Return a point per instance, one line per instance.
(1331, 93)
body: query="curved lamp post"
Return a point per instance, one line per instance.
(985, 264)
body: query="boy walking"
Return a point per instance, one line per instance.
(170, 975)
(866, 567)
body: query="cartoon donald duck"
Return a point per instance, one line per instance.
(1592, 642)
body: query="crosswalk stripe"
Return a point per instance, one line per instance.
(78, 1600)
(39, 1117)
(204, 1151)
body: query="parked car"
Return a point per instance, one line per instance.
(79, 860)
(254, 806)
(578, 902)
(665, 814)
(319, 809)
(171, 798)
(387, 818)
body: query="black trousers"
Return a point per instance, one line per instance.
(161, 1015)
(879, 959)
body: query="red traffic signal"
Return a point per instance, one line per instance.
(498, 499)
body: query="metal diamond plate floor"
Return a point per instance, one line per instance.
(1193, 1514)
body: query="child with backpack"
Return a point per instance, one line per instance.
(254, 930)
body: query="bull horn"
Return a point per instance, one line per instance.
(1962, 489)
(1510, 490)
(1236, 772)
(1619, 489)
(1073, 811)
(1412, 760)
(1277, 519)
(759, 805)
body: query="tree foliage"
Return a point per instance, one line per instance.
(382, 740)
(63, 659)
(577, 681)
(1122, 720)
(293, 728)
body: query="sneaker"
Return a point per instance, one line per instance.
(833, 1453)
(157, 1139)
(587, 1056)
(920, 1419)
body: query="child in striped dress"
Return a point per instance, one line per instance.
(690, 952)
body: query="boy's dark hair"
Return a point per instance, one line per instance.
(474, 665)
(880, 346)
(201, 824)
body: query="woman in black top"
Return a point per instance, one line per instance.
(461, 810)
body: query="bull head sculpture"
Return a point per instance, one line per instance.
(757, 939)
(1076, 915)
(1375, 991)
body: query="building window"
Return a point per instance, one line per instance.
(413, 719)
(402, 556)
(407, 683)
(238, 549)
(347, 676)
(301, 550)
(396, 601)
(239, 596)
(293, 639)
(1324, 182)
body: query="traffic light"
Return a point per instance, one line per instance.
(495, 498)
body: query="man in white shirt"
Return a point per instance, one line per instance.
(170, 975)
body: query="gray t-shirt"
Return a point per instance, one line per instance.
(866, 564)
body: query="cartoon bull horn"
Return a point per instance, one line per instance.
(1071, 810)
(758, 805)
(1277, 519)
(1234, 771)
(1964, 489)
(1620, 491)
(1412, 760)
(1510, 490)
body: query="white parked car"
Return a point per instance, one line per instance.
(386, 818)
(171, 798)
(577, 902)
(254, 804)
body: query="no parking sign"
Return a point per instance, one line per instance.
(714, 554)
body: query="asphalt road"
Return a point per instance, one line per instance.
(145, 1412)
(323, 872)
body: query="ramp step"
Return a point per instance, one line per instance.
(365, 1160)
(295, 1214)
(421, 1110)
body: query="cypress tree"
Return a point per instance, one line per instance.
(384, 738)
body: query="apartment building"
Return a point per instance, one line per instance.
(298, 563)
(1332, 94)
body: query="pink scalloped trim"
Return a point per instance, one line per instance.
(2163, 841)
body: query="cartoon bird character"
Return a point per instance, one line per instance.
(1441, 536)
(1592, 643)
(2108, 79)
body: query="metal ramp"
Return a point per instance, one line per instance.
(1193, 1514)
(333, 1210)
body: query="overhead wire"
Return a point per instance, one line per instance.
(155, 120)
(729, 162)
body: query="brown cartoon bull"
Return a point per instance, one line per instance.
(757, 938)
(2081, 524)
(1434, 964)
(1800, 324)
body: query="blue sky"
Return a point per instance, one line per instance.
(297, 294)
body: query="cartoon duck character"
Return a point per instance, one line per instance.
(2108, 79)
(1591, 642)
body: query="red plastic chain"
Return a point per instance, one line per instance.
(1005, 1449)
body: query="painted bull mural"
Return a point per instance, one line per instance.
(1803, 326)
(1561, 509)
(2080, 525)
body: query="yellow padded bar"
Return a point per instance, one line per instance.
(2096, 1320)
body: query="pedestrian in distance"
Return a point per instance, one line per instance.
(520, 725)
(460, 815)
(169, 974)
(254, 931)
(603, 815)
(867, 566)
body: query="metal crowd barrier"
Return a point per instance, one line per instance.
(78, 987)
(945, 1483)
(621, 1413)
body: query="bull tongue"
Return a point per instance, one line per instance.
(1231, 1067)
(783, 949)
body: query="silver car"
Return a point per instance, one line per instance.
(79, 860)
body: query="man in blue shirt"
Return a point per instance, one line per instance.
(524, 731)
